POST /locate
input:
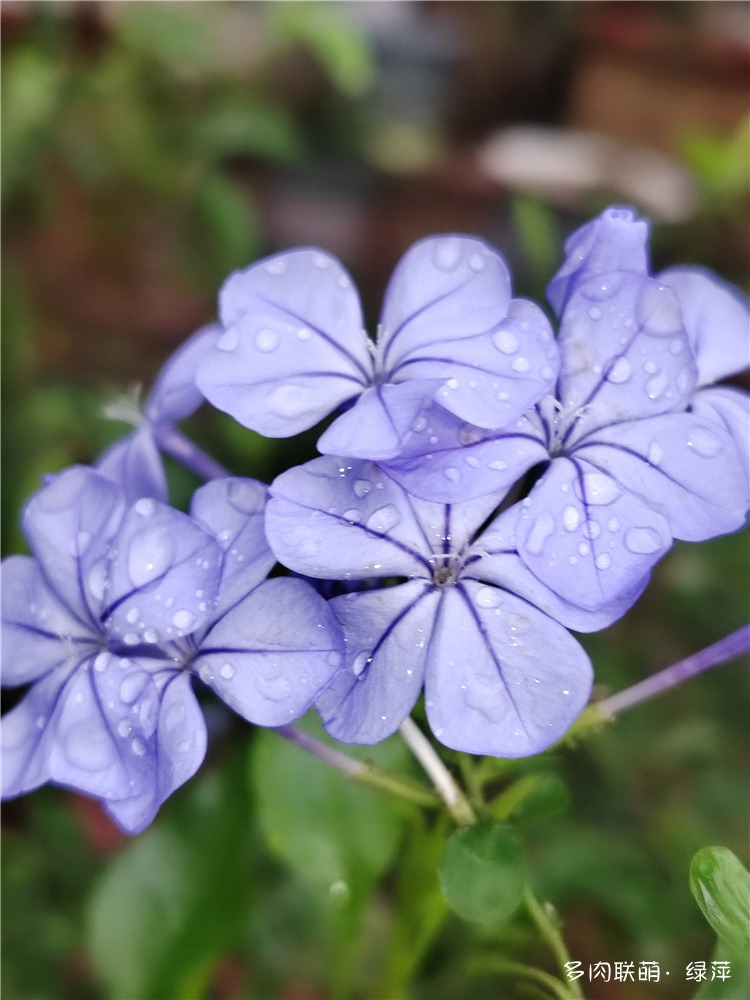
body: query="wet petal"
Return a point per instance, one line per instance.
(730, 407)
(682, 465)
(176, 750)
(338, 519)
(269, 656)
(377, 425)
(175, 395)
(387, 635)
(615, 241)
(232, 510)
(445, 459)
(38, 632)
(717, 320)
(503, 678)
(586, 538)
(292, 347)
(70, 524)
(625, 351)
(495, 376)
(134, 463)
(89, 726)
(162, 576)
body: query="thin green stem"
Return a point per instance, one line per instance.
(550, 931)
(517, 970)
(445, 785)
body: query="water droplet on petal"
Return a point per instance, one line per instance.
(595, 312)
(654, 453)
(133, 686)
(101, 662)
(676, 346)
(362, 487)
(304, 333)
(97, 578)
(542, 527)
(613, 524)
(277, 265)
(596, 489)
(506, 341)
(183, 619)
(123, 728)
(321, 261)
(151, 635)
(704, 443)
(227, 671)
(353, 514)
(642, 541)
(591, 529)
(145, 506)
(266, 340)
(476, 262)
(384, 518)
(452, 473)
(132, 616)
(87, 747)
(488, 597)
(656, 385)
(472, 461)
(446, 253)
(571, 518)
(520, 364)
(603, 561)
(138, 747)
(229, 340)
(361, 660)
(498, 465)
(150, 555)
(619, 372)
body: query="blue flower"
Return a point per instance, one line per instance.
(135, 461)
(294, 348)
(466, 619)
(630, 452)
(119, 608)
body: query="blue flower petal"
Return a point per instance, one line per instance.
(502, 678)
(134, 463)
(232, 510)
(387, 635)
(174, 395)
(271, 654)
(162, 576)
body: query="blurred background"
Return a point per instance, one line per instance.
(150, 149)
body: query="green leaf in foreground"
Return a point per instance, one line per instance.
(482, 872)
(721, 886)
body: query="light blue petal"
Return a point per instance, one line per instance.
(134, 463)
(175, 395)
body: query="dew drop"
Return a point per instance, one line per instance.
(150, 554)
(97, 578)
(277, 265)
(642, 541)
(101, 662)
(520, 364)
(542, 527)
(488, 597)
(595, 312)
(384, 518)
(498, 465)
(472, 461)
(506, 341)
(353, 514)
(151, 635)
(656, 385)
(321, 261)
(145, 506)
(362, 487)
(419, 425)
(676, 347)
(334, 659)
(138, 747)
(591, 529)
(619, 372)
(132, 616)
(613, 524)
(229, 340)
(361, 660)
(597, 489)
(603, 561)
(304, 333)
(123, 728)
(704, 443)
(584, 548)
(183, 619)
(570, 518)
(133, 686)
(446, 253)
(476, 262)
(227, 671)
(266, 340)
(452, 473)
(654, 453)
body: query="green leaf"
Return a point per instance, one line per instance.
(721, 886)
(176, 898)
(482, 872)
(532, 798)
(336, 835)
(735, 987)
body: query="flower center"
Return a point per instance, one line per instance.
(445, 569)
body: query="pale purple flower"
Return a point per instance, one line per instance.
(466, 620)
(294, 348)
(118, 609)
(630, 453)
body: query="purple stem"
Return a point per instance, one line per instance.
(181, 448)
(340, 761)
(731, 646)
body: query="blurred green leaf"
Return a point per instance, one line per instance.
(721, 886)
(532, 798)
(251, 128)
(337, 836)
(736, 987)
(227, 214)
(482, 872)
(176, 898)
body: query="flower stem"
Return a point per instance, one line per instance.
(365, 774)
(507, 967)
(549, 930)
(183, 450)
(731, 646)
(457, 803)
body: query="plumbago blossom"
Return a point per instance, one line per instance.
(484, 487)
(119, 609)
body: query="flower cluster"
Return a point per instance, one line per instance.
(484, 486)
